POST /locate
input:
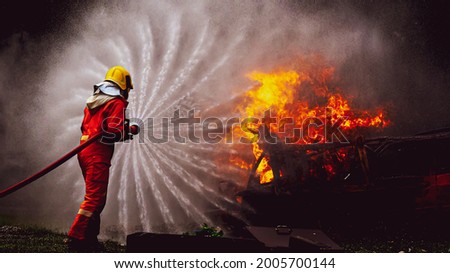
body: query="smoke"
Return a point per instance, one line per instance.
(192, 55)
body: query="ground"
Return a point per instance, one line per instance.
(15, 239)
(21, 239)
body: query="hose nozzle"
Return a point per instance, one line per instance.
(134, 128)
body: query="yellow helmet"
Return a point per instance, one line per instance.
(120, 76)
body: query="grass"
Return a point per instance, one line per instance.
(32, 239)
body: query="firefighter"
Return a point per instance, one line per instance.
(104, 112)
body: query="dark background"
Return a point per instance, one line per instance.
(426, 33)
(38, 18)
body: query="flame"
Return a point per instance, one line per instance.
(274, 91)
(293, 95)
(239, 162)
(264, 169)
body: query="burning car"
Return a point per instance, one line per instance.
(312, 157)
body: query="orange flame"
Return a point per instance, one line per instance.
(298, 94)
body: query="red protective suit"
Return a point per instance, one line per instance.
(95, 161)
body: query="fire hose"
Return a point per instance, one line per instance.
(50, 167)
(131, 129)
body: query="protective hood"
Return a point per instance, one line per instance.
(98, 99)
(103, 92)
(108, 88)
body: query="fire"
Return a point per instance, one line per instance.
(275, 91)
(264, 168)
(239, 162)
(295, 95)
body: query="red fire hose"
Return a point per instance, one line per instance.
(50, 167)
